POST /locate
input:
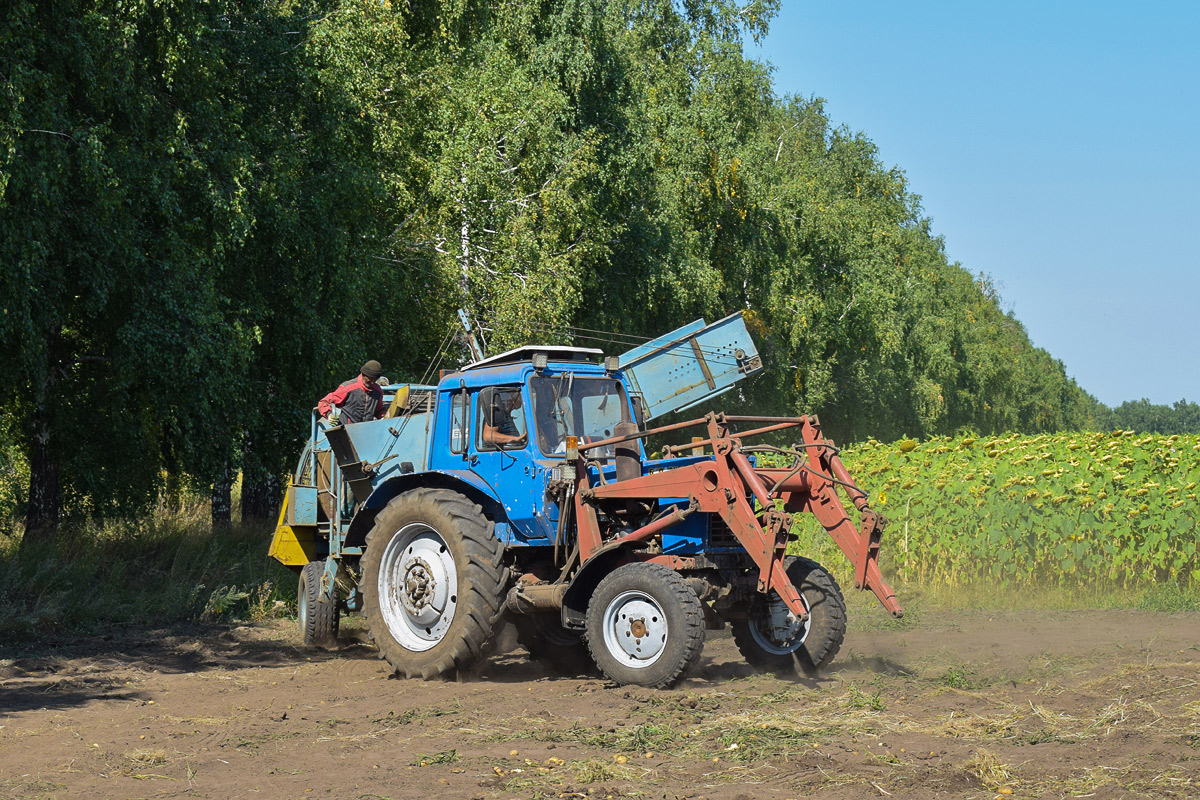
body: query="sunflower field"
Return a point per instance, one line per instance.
(1032, 509)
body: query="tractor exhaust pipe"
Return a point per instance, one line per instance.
(628, 459)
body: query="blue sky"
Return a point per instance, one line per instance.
(1056, 147)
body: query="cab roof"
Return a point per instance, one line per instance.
(526, 353)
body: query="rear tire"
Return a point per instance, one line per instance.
(432, 582)
(645, 626)
(319, 620)
(770, 640)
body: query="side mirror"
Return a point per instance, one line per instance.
(639, 412)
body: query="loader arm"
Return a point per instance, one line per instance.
(729, 486)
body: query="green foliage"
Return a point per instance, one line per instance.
(223, 601)
(858, 699)
(1064, 509)
(444, 757)
(210, 213)
(122, 194)
(14, 475)
(880, 334)
(183, 206)
(958, 678)
(1146, 417)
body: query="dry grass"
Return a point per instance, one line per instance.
(146, 758)
(197, 720)
(562, 777)
(158, 571)
(989, 769)
(31, 789)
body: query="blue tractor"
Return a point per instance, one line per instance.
(519, 488)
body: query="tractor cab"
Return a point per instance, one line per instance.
(507, 422)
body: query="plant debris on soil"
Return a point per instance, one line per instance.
(967, 705)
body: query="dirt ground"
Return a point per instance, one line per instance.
(964, 705)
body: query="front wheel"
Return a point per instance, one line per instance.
(644, 625)
(771, 638)
(432, 582)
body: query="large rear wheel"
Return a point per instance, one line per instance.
(771, 638)
(644, 625)
(432, 582)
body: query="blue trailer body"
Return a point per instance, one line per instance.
(691, 365)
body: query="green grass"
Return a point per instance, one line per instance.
(444, 757)
(1169, 597)
(165, 570)
(858, 699)
(958, 678)
(636, 739)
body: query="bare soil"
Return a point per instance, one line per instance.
(962, 705)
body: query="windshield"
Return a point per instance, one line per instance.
(567, 405)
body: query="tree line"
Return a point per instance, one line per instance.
(211, 213)
(1146, 417)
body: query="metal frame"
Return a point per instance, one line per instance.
(729, 485)
(335, 529)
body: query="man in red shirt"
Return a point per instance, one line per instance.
(360, 400)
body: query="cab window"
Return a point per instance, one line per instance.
(501, 419)
(458, 422)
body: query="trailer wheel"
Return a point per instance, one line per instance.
(432, 582)
(770, 638)
(556, 648)
(318, 619)
(644, 625)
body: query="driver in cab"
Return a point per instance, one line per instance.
(499, 430)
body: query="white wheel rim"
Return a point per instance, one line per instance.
(418, 587)
(779, 632)
(635, 629)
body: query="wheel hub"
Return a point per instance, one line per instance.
(418, 587)
(779, 630)
(635, 628)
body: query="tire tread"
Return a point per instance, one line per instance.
(693, 631)
(481, 582)
(321, 618)
(823, 644)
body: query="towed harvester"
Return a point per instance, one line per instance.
(438, 530)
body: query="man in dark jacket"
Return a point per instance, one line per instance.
(360, 399)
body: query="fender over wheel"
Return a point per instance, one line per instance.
(319, 620)
(771, 638)
(645, 626)
(432, 582)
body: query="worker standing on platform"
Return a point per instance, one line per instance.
(360, 400)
